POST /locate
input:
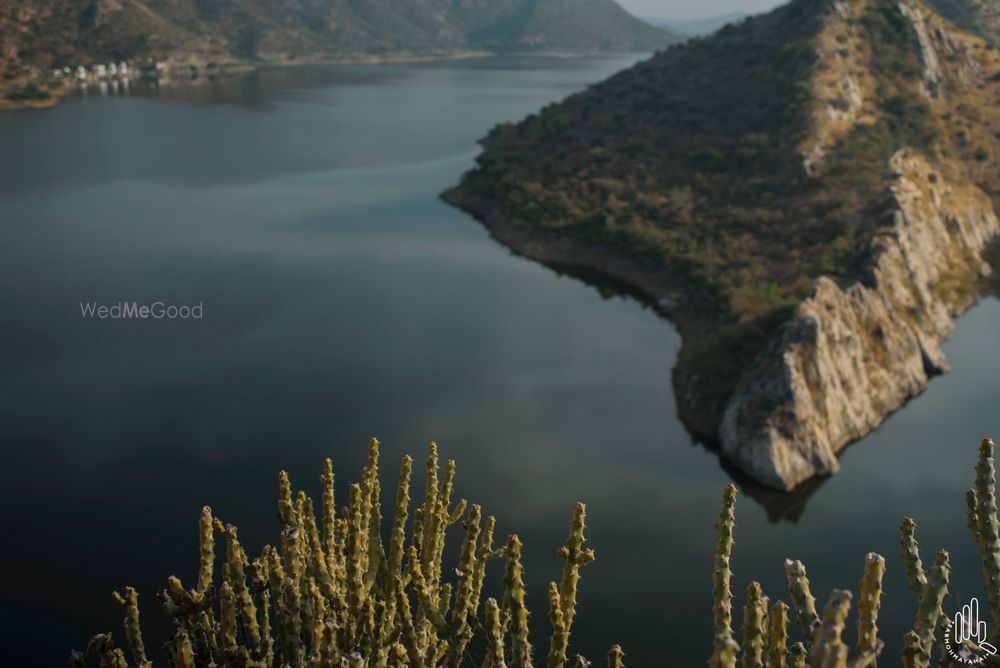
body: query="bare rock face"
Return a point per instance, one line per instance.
(928, 54)
(838, 94)
(850, 356)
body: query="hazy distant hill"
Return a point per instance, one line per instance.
(561, 25)
(696, 27)
(44, 32)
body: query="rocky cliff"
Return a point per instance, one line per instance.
(821, 178)
(851, 356)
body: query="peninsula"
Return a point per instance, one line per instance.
(807, 194)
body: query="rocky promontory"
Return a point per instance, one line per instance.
(808, 195)
(850, 356)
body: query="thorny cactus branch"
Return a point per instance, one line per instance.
(560, 637)
(778, 636)
(828, 649)
(514, 607)
(930, 609)
(494, 640)
(802, 598)
(868, 605)
(574, 556)
(754, 615)
(988, 534)
(911, 556)
(911, 650)
(616, 657)
(722, 596)
(725, 652)
(133, 632)
(798, 655)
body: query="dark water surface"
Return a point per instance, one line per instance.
(342, 300)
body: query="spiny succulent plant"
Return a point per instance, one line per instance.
(331, 594)
(822, 644)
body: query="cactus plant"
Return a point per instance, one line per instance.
(778, 636)
(911, 556)
(929, 611)
(616, 657)
(823, 645)
(802, 599)
(754, 616)
(828, 649)
(725, 652)
(331, 594)
(722, 595)
(868, 606)
(986, 527)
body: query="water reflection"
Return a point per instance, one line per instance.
(790, 506)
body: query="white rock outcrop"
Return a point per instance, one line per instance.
(838, 96)
(850, 356)
(928, 54)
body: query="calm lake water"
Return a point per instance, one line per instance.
(343, 300)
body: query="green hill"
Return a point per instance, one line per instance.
(724, 176)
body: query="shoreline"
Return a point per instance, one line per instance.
(53, 93)
(671, 296)
(57, 90)
(678, 301)
(403, 57)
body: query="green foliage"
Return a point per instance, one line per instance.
(897, 51)
(717, 118)
(720, 118)
(909, 122)
(331, 595)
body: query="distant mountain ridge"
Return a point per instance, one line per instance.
(47, 32)
(36, 35)
(696, 27)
